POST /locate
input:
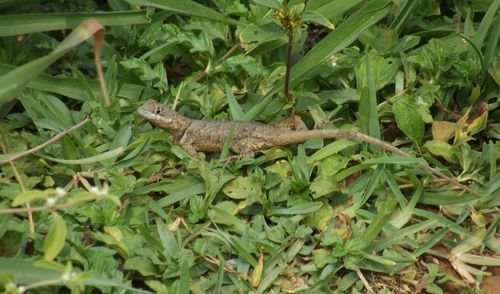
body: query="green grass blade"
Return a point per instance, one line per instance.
(398, 235)
(12, 24)
(368, 115)
(491, 48)
(186, 7)
(234, 107)
(432, 241)
(383, 214)
(15, 80)
(93, 159)
(303, 208)
(487, 21)
(72, 88)
(444, 222)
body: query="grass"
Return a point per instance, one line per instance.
(116, 205)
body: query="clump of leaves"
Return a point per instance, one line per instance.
(118, 204)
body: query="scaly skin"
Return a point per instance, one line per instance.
(199, 135)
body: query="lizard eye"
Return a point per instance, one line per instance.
(157, 110)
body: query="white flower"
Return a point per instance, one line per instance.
(66, 277)
(99, 192)
(51, 201)
(60, 192)
(333, 60)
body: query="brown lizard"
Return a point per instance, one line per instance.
(200, 135)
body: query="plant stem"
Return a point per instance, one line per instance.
(288, 95)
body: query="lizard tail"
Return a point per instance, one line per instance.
(300, 136)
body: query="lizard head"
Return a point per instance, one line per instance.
(162, 116)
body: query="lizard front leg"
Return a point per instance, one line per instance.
(187, 145)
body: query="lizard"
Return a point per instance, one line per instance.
(249, 136)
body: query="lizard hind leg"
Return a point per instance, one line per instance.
(292, 124)
(247, 147)
(241, 153)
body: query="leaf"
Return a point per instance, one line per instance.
(332, 9)
(257, 272)
(304, 208)
(443, 130)
(386, 208)
(442, 149)
(234, 107)
(31, 195)
(168, 241)
(474, 121)
(72, 88)
(263, 37)
(15, 80)
(368, 114)
(275, 4)
(409, 120)
(54, 241)
(16, 24)
(92, 159)
(316, 17)
(243, 188)
(331, 149)
(186, 7)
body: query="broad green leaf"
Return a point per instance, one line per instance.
(243, 188)
(141, 265)
(409, 120)
(31, 195)
(275, 4)
(322, 186)
(15, 24)
(443, 149)
(377, 70)
(186, 7)
(316, 17)
(168, 241)
(54, 241)
(259, 38)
